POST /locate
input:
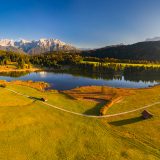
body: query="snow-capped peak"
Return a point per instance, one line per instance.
(37, 46)
(6, 42)
(42, 40)
(24, 41)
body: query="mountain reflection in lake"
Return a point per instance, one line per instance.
(64, 81)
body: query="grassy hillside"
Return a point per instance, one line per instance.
(31, 130)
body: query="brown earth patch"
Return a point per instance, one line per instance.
(100, 94)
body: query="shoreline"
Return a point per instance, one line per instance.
(45, 69)
(31, 70)
(21, 70)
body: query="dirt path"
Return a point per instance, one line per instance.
(84, 115)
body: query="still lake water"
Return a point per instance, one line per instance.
(64, 81)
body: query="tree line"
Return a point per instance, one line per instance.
(74, 60)
(22, 60)
(55, 59)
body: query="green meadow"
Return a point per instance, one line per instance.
(125, 64)
(30, 130)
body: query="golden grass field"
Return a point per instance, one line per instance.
(30, 130)
(12, 67)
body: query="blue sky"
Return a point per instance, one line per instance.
(84, 23)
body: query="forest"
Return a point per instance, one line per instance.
(22, 60)
(57, 60)
(145, 51)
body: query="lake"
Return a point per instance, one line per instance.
(65, 81)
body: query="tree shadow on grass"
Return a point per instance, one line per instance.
(67, 95)
(126, 121)
(95, 110)
(35, 98)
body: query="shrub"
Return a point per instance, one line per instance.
(3, 85)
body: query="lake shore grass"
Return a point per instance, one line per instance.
(12, 67)
(31, 130)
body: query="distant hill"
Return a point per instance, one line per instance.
(35, 47)
(153, 39)
(148, 50)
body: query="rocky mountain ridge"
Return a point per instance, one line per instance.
(35, 46)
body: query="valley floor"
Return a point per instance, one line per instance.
(30, 129)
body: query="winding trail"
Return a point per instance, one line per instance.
(85, 115)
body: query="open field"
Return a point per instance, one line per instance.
(125, 64)
(12, 67)
(31, 130)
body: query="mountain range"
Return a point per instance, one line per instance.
(35, 46)
(146, 50)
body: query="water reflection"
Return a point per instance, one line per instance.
(63, 80)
